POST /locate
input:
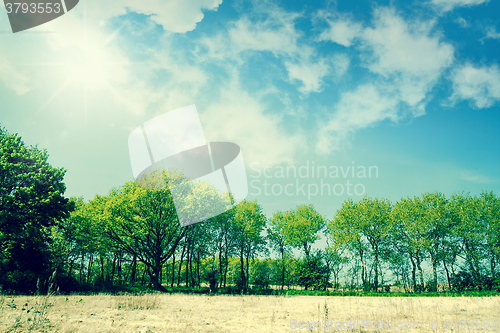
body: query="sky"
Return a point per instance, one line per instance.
(328, 100)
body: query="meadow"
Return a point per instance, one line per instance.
(225, 313)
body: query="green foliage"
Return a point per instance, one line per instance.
(312, 273)
(302, 227)
(262, 273)
(31, 202)
(131, 236)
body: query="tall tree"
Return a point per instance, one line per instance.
(31, 202)
(436, 219)
(346, 233)
(375, 224)
(249, 222)
(410, 234)
(276, 236)
(467, 226)
(490, 210)
(143, 222)
(302, 228)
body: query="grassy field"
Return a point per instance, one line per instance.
(203, 313)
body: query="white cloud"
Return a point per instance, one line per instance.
(174, 15)
(241, 118)
(478, 84)
(271, 29)
(448, 5)
(310, 74)
(363, 107)
(406, 60)
(491, 32)
(404, 48)
(472, 176)
(12, 78)
(341, 31)
(462, 22)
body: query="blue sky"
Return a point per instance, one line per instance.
(409, 87)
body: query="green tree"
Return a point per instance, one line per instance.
(302, 227)
(346, 233)
(276, 236)
(410, 234)
(31, 202)
(375, 224)
(312, 272)
(436, 219)
(143, 222)
(490, 209)
(468, 227)
(249, 222)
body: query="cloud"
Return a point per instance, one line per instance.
(474, 177)
(262, 29)
(177, 16)
(12, 78)
(406, 52)
(491, 32)
(448, 5)
(462, 22)
(363, 107)
(406, 60)
(341, 30)
(478, 84)
(310, 74)
(242, 118)
(270, 29)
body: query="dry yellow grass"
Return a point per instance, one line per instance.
(201, 313)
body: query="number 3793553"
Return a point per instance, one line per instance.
(23, 7)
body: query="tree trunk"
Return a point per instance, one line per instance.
(155, 275)
(242, 269)
(420, 273)
(375, 281)
(180, 265)
(188, 257)
(112, 277)
(198, 270)
(447, 274)
(89, 267)
(173, 271)
(102, 267)
(413, 274)
(282, 269)
(247, 273)
(134, 269)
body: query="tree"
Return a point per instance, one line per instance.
(276, 236)
(346, 233)
(31, 202)
(437, 223)
(312, 272)
(468, 227)
(302, 227)
(375, 224)
(249, 222)
(143, 222)
(490, 210)
(334, 258)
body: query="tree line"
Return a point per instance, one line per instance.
(132, 236)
